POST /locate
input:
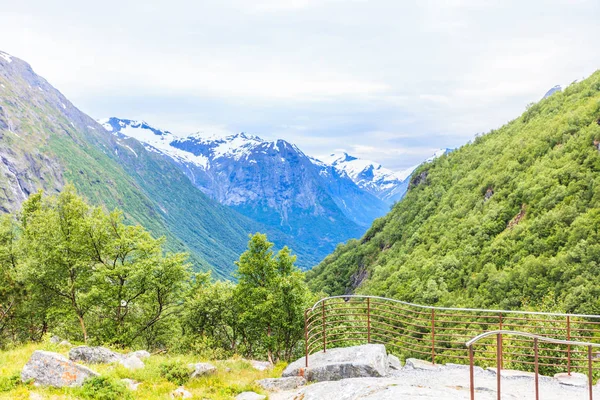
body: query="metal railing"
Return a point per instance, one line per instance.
(499, 334)
(438, 334)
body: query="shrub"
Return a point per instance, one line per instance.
(10, 382)
(103, 388)
(175, 371)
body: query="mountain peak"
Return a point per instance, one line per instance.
(6, 57)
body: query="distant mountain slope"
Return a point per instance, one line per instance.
(387, 185)
(273, 182)
(45, 141)
(510, 220)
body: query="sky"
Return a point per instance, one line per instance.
(385, 80)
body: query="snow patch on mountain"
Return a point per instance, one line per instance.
(7, 57)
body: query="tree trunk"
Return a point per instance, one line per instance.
(85, 336)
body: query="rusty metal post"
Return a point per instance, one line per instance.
(569, 346)
(368, 320)
(306, 337)
(433, 335)
(537, 376)
(498, 363)
(590, 377)
(501, 342)
(471, 372)
(324, 331)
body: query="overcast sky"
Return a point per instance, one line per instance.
(386, 80)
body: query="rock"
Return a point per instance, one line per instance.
(93, 355)
(250, 396)
(281, 384)
(369, 360)
(65, 343)
(260, 365)
(202, 369)
(181, 393)
(141, 354)
(415, 363)
(55, 339)
(131, 363)
(53, 369)
(512, 373)
(464, 367)
(394, 362)
(575, 379)
(131, 384)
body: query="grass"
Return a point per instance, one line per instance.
(232, 377)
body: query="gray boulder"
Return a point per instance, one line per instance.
(53, 369)
(281, 384)
(55, 339)
(94, 355)
(394, 362)
(250, 396)
(260, 365)
(65, 343)
(202, 369)
(141, 354)
(131, 363)
(131, 384)
(369, 360)
(415, 363)
(181, 393)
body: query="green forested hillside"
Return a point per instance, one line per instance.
(511, 220)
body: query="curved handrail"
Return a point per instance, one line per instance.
(453, 308)
(529, 335)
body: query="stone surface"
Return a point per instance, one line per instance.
(281, 384)
(131, 384)
(464, 367)
(516, 374)
(340, 363)
(441, 384)
(250, 396)
(131, 363)
(141, 354)
(181, 393)
(93, 355)
(53, 369)
(394, 362)
(575, 379)
(55, 339)
(260, 365)
(202, 369)
(65, 343)
(415, 363)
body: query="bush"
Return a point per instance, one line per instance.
(9, 383)
(175, 372)
(103, 388)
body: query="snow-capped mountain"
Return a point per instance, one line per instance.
(385, 184)
(273, 182)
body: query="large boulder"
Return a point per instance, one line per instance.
(281, 384)
(250, 396)
(94, 355)
(201, 369)
(141, 354)
(369, 360)
(53, 369)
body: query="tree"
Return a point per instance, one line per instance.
(272, 295)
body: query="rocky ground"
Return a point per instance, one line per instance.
(366, 372)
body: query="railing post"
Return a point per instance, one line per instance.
(433, 335)
(569, 346)
(590, 378)
(471, 372)
(501, 343)
(324, 331)
(368, 320)
(537, 377)
(498, 362)
(306, 337)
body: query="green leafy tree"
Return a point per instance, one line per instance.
(272, 295)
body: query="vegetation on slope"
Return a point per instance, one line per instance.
(510, 220)
(76, 271)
